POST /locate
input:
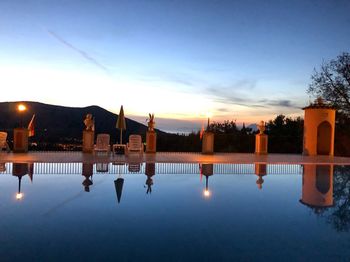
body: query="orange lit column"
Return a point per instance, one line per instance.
(20, 140)
(88, 141)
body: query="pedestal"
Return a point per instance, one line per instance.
(20, 140)
(119, 149)
(261, 144)
(88, 141)
(208, 143)
(151, 142)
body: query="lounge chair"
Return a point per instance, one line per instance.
(134, 167)
(135, 144)
(102, 167)
(3, 142)
(102, 144)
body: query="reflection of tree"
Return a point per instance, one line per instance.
(339, 215)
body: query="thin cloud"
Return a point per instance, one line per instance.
(77, 50)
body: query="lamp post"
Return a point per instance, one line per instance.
(20, 135)
(21, 109)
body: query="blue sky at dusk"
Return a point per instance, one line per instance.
(243, 60)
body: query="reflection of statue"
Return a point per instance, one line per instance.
(87, 172)
(260, 171)
(261, 127)
(149, 183)
(89, 123)
(150, 171)
(151, 123)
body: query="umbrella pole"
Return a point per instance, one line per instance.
(121, 136)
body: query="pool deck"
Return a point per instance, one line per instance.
(171, 157)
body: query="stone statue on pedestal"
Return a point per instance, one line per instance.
(151, 123)
(261, 127)
(89, 123)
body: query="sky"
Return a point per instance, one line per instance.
(236, 60)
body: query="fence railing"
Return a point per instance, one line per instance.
(141, 168)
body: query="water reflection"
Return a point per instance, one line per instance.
(317, 187)
(325, 188)
(19, 170)
(2, 167)
(260, 171)
(87, 172)
(150, 171)
(207, 170)
(119, 182)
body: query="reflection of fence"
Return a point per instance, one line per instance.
(161, 168)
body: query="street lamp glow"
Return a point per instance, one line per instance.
(21, 107)
(19, 196)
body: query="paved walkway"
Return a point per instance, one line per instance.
(234, 158)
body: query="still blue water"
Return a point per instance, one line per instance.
(57, 220)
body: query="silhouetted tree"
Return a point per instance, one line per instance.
(332, 82)
(285, 134)
(340, 213)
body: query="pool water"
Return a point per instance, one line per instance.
(302, 215)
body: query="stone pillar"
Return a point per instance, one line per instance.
(261, 141)
(319, 129)
(88, 141)
(20, 140)
(151, 142)
(208, 143)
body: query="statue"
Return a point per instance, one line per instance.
(89, 123)
(151, 123)
(261, 127)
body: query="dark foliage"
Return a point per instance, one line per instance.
(332, 82)
(285, 135)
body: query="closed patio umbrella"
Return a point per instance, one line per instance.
(121, 123)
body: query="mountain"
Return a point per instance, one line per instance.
(63, 124)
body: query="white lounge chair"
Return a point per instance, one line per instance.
(135, 144)
(3, 142)
(102, 144)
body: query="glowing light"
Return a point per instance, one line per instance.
(21, 107)
(19, 196)
(206, 193)
(209, 114)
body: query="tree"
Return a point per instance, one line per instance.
(332, 82)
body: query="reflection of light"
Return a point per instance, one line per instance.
(206, 193)
(21, 107)
(19, 196)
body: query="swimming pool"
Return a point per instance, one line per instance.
(173, 212)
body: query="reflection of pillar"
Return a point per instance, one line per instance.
(87, 172)
(319, 127)
(19, 170)
(317, 189)
(260, 171)
(207, 170)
